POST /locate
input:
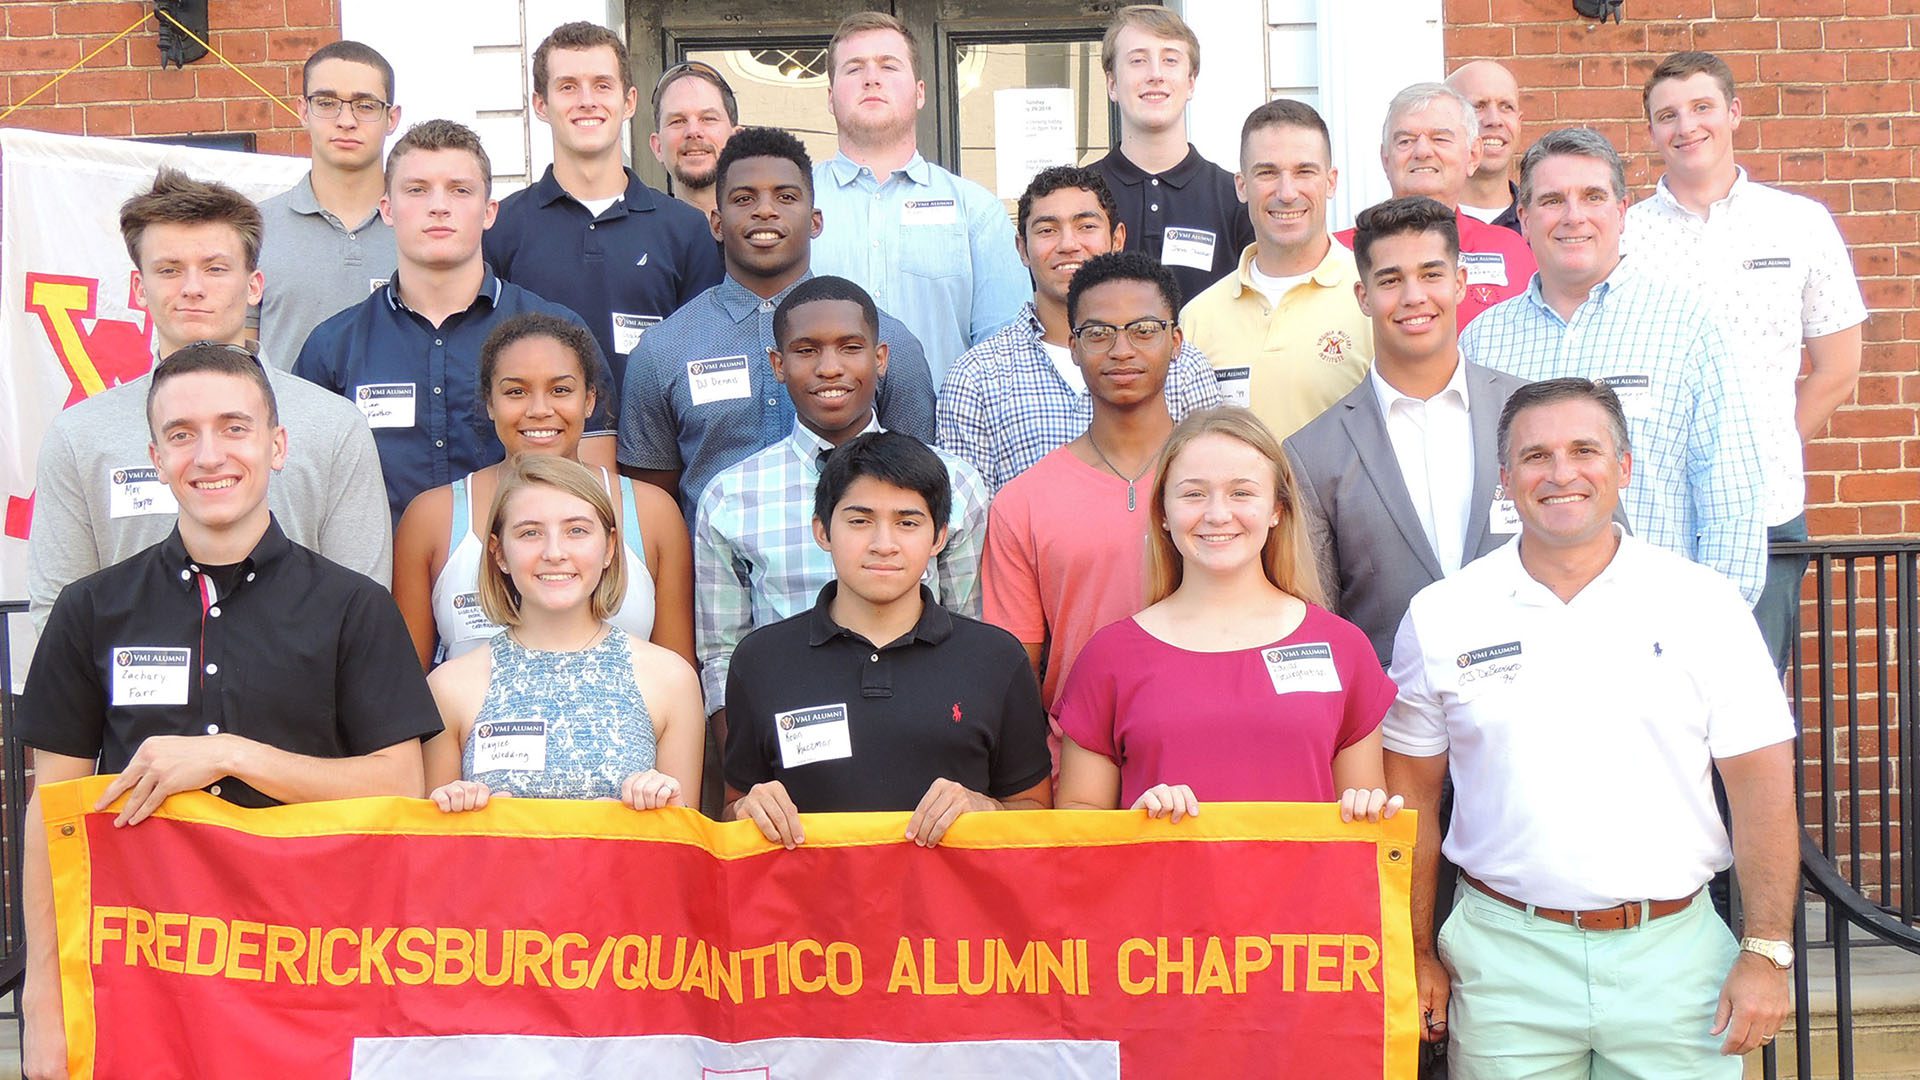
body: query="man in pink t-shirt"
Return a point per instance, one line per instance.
(1066, 540)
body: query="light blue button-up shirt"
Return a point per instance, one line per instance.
(933, 248)
(1696, 475)
(675, 415)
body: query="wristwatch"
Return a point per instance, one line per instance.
(1777, 953)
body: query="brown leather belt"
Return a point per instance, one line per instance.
(1621, 917)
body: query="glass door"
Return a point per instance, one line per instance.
(1011, 84)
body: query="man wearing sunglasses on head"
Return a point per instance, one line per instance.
(694, 114)
(326, 246)
(590, 234)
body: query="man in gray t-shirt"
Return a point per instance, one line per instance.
(326, 245)
(98, 497)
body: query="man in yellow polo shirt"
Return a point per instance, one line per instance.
(1283, 332)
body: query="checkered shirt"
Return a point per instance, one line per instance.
(1696, 486)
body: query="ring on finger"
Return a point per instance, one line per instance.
(1766, 1038)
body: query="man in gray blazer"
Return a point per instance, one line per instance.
(1399, 482)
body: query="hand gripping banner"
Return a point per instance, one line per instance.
(380, 938)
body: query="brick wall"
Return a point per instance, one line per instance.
(1828, 92)
(1828, 89)
(123, 91)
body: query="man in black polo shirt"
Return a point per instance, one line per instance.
(879, 698)
(1177, 206)
(226, 657)
(590, 234)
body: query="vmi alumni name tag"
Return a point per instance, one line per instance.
(819, 733)
(1297, 669)
(722, 378)
(147, 675)
(518, 745)
(385, 405)
(138, 490)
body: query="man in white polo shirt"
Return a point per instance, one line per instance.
(1777, 273)
(1580, 686)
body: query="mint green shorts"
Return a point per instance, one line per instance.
(1536, 999)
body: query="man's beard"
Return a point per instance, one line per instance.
(692, 181)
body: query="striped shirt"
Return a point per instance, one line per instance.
(1005, 406)
(755, 561)
(1696, 476)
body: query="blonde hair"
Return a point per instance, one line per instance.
(499, 597)
(862, 21)
(1287, 557)
(1158, 22)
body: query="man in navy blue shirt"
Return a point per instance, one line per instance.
(409, 355)
(590, 234)
(700, 394)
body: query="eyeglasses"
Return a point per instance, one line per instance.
(326, 107)
(699, 69)
(1098, 337)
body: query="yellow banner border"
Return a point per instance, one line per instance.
(65, 805)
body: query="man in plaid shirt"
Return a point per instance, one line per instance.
(755, 560)
(1017, 396)
(1591, 314)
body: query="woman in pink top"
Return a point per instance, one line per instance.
(1234, 684)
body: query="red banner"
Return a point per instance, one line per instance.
(381, 938)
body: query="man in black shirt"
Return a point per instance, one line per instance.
(226, 657)
(879, 698)
(1177, 206)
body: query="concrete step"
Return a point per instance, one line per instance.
(1885, 1018)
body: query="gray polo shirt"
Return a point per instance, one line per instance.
(98, 499)
(315, 267)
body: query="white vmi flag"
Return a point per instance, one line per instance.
(690, 1057)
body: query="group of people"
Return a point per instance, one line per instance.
(823, 487)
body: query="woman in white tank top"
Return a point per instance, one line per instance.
(538, 388)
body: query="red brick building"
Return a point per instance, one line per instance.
(1828, 92)
(1828, 87)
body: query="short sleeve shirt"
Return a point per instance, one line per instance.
(1005, 405)
(933, 248)
(1064, 557)
(1776, 270)
(1288, 362)
(418, 385)
(100, 500)
(1581, 734)
(315, 266)
(847, 725)
(700, 393)
(621, 270)
(1189, 217)
(755, 560)
(1249, 725)
(301, 654)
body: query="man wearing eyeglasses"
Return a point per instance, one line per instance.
(326, 246)
(1066, 539)
(694, 114)
(590, 234)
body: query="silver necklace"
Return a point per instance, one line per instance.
(1130, 481)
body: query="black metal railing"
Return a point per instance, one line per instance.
(1854, 679)
(13, 809)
